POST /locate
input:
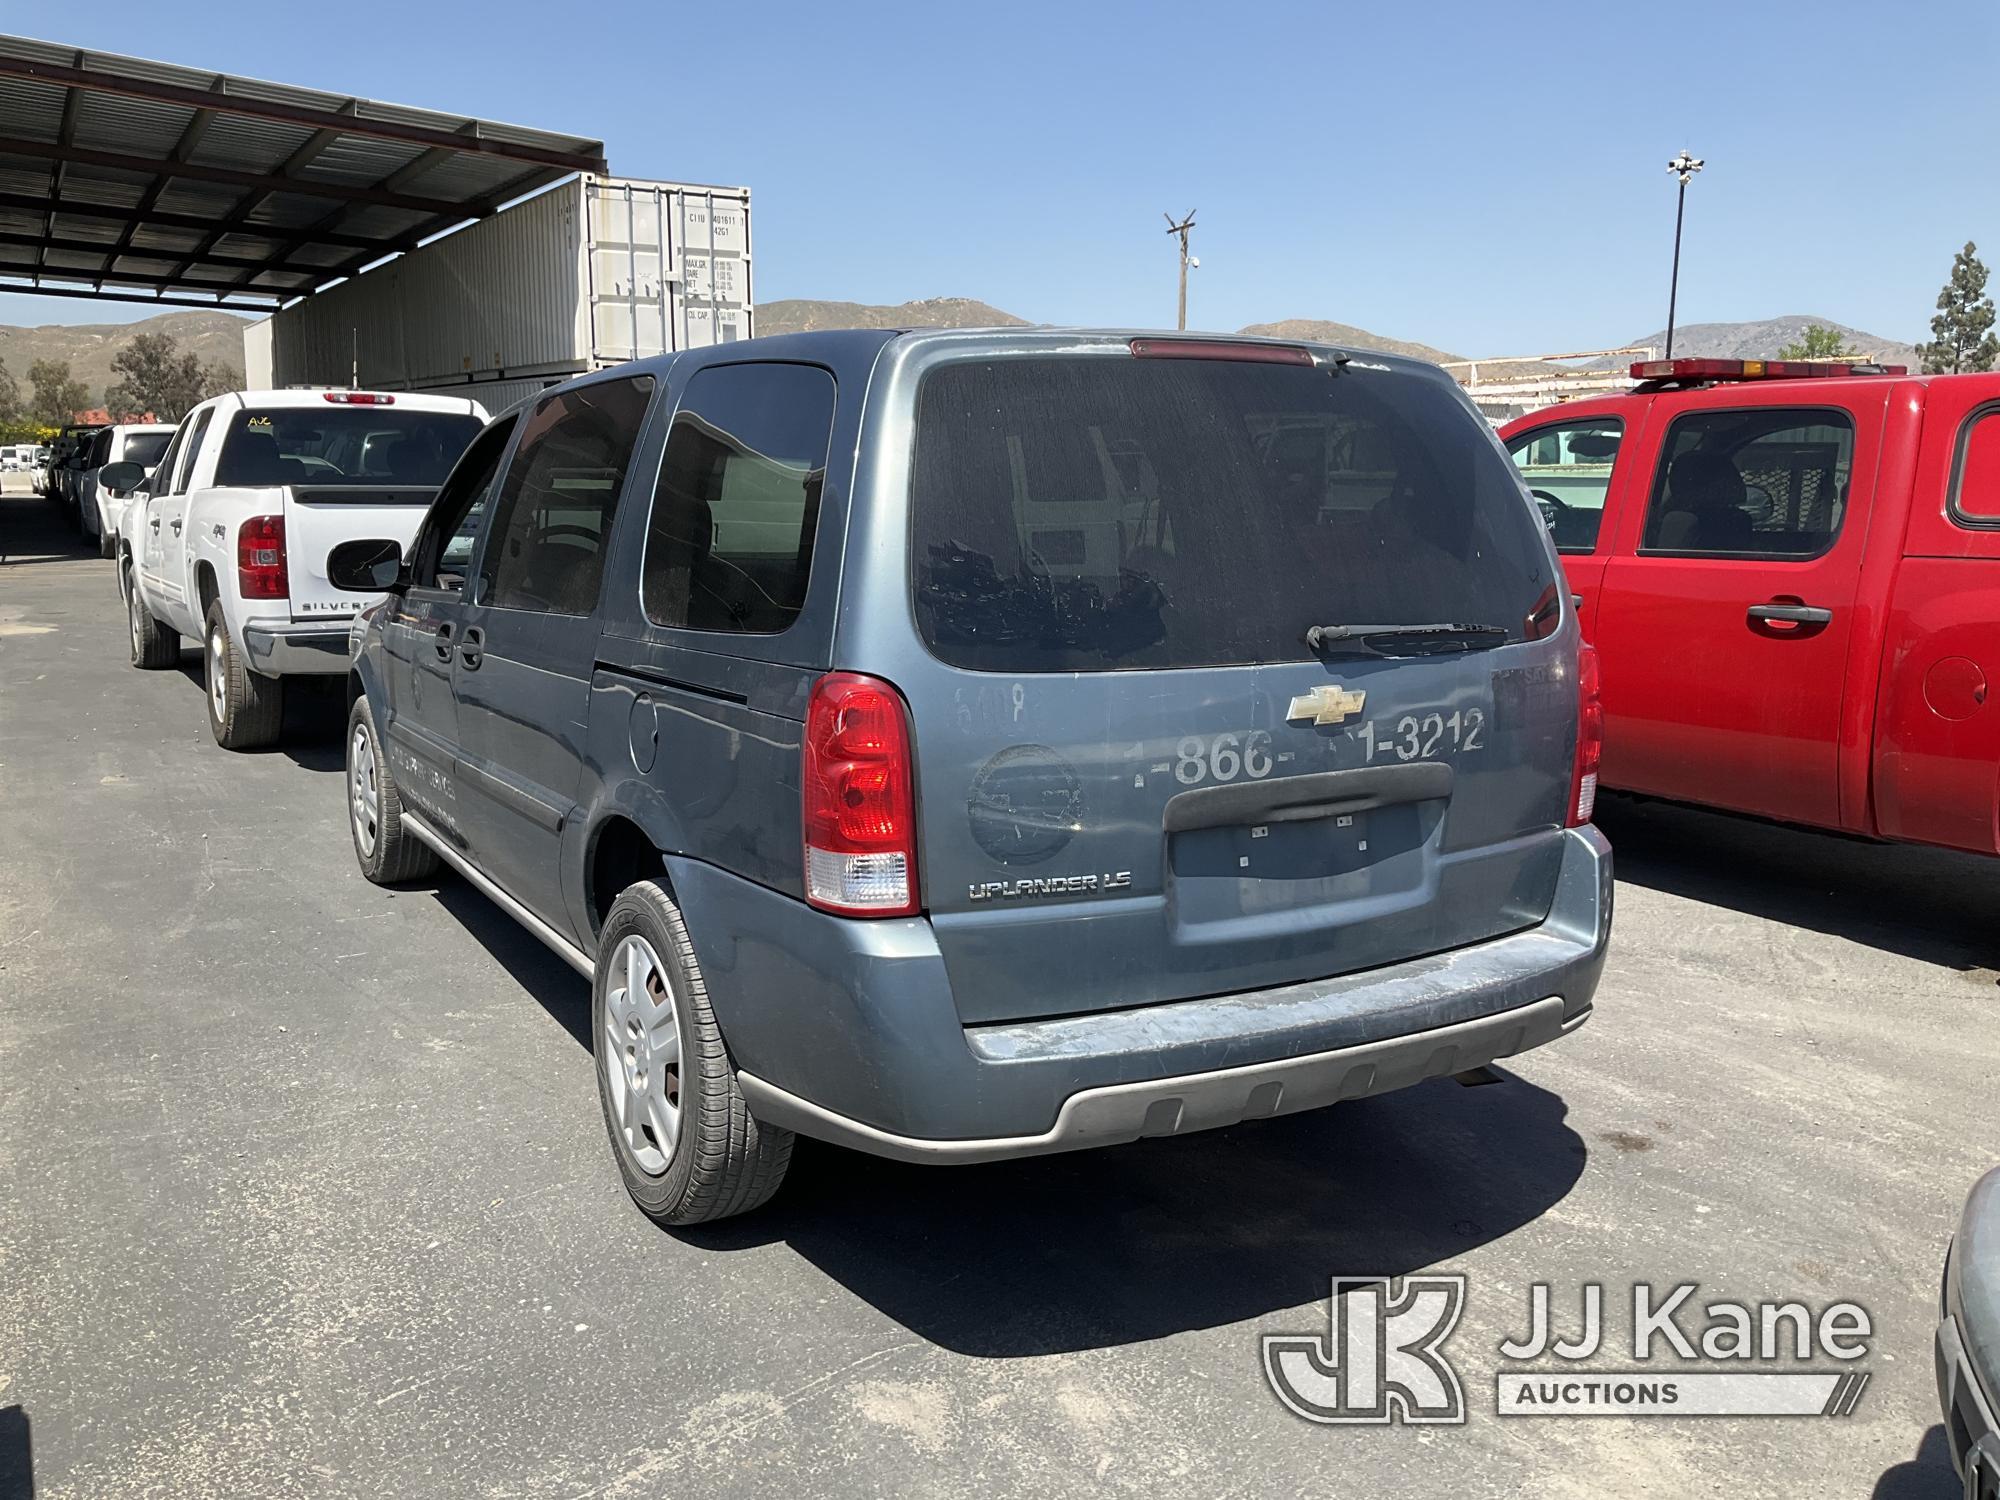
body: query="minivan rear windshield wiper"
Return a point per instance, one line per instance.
(1445, 635)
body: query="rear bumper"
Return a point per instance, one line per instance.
(846, 1031)
(279, 649)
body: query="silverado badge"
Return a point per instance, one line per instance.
(1327, 704)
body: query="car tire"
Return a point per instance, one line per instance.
(107, 545)
(153, 645)
(388, 853)
(245, 709)
(720, 1160)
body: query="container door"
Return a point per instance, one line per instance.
(1139, 779)
(1724, 632)
(525, 656)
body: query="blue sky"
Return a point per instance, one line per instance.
(1489, 179)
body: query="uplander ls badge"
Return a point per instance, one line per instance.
(1329, 703)
(1050, 885)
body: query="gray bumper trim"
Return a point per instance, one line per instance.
(282, 651)
(1966, 1413)
(1200, 1101)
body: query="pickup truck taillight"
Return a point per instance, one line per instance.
(859, 791)
(1589, 737)
(260, 558)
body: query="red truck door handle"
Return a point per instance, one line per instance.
(1794, 617)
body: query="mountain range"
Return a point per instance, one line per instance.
(216, 337)
(1753, 340)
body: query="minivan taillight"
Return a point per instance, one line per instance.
(859, 790)
(260, 558)
(1589, 737)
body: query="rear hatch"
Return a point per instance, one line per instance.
(1139, 780)
(351, 465)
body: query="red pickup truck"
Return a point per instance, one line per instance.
(1791, 573)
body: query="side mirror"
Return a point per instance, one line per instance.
(121, 477)
(372, 566)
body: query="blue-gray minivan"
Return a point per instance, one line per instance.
(970, 744)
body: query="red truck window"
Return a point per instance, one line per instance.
(1766, 482)
(1975, 478)
(1567, 468)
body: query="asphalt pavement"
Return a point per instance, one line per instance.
(303, 1189)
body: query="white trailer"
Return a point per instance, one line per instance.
(593, 272)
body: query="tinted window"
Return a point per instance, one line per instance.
(730, 542)
(338, 444)
(145, 448)
(1079, 514)
(1767, 482)
(545, 550)
(1567, 468)
(191, 450)
(1975, 485)
(161, 482)
(442, 553)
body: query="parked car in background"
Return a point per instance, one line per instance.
(1792, 572)
(1968, 1342)
(66, 456)
(228, 543)
(139, 443)
(809, 693)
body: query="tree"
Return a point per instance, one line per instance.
(58, 395)
(1819, 342)
(219, 379)
(1962, 332)
(154, 376)
(10, 395)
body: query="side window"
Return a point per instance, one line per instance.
(191, 451)
(1975, 473)
(442, 553)
(729, 544)
(545, 550)
(1567, 468)
(1759, 482)
(163, 474)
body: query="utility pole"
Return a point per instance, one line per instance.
(1182, 229)
(1684, 167)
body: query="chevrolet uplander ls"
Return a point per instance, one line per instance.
(961, 745)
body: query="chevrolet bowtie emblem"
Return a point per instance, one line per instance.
(1326, 705)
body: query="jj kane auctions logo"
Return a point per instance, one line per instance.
(1382, 1358)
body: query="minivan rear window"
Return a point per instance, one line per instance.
(1091, 513)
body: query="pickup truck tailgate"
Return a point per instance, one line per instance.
(319, 517)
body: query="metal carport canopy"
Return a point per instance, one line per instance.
(143, 180)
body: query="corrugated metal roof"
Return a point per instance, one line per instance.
(219, 191)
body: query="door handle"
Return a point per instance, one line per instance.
(469, 654)
(156, 523)
(443, 642)
(176, 524)
(1790, 614)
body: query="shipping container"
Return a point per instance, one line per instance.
(591, 273)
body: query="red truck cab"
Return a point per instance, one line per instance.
(1792, 576)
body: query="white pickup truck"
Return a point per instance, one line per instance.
(228, 540)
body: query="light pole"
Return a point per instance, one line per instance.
(1684, 167)
(1182, 229)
